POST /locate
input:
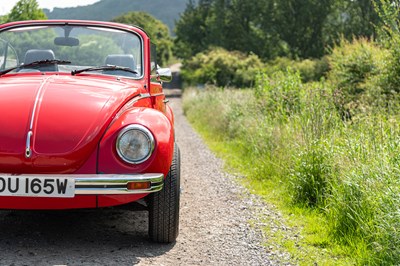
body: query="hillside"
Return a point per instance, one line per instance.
(168, 11)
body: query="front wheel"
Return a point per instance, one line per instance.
(164, 205)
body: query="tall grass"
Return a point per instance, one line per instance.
(294, 134)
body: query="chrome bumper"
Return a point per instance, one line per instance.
(109, 184)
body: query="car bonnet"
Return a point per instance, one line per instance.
(53, 123)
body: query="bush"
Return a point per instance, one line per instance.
(279, 93)
(313, 167)
(389, 34)
(388, 80)
(355, 73)
(222, 68)
(309, 69)
(310, 176)
(363, 213)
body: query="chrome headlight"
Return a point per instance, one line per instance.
(135, 144)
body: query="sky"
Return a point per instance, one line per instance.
(7, 5)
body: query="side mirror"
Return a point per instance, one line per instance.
(164, 74)
(66, 41)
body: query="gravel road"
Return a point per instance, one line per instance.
(214, 227)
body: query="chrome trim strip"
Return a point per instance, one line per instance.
(137, 98)
(28, 150)
(29, 135)
(38, 95)
(106, 184)
(158, 94)
(144, 95)
(129, 104)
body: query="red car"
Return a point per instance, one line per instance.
(84, 121)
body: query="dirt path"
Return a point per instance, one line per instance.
(215, 230)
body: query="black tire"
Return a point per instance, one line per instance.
(164, 205)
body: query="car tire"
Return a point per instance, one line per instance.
(164, 205)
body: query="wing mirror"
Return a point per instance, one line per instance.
(164, 74)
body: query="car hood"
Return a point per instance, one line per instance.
(66, 116)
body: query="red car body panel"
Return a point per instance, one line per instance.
(76, 120)
(78, 202)
(73, 109)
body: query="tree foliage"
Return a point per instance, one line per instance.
(270, 28)
(157, 31)
(350, 19)
(300, 24)
(389, 35)
(191, 30)
(26, 10)
(231, 24)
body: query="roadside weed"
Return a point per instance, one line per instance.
(336, 181)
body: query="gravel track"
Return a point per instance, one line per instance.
(214, 227)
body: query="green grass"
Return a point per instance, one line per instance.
(335, 183)
(306, 238)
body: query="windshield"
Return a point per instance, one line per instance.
(83, 46)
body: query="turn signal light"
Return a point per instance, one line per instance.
(138, 185)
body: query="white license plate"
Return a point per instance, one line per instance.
(35, 186)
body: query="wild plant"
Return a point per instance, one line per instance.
(279, 94)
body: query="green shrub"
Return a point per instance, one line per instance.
(203, 113)
(389, 79)
(313, 168)
(279, 94)
(222, 68)
(355, 73)
(310, 176)
(362, 208)
(389, 35)
(363, 213)
(309, 69)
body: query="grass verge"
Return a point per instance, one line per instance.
(335, 183)
(301, 233)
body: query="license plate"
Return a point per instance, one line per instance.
(34, 186)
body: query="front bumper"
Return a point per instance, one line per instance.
(109, 184)
(79, 184)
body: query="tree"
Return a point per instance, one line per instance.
(191, 29)
(157, 31)
(26, 10)
(230, 24)
(3, 19)
(270, 28)
(300, 25)
(349, 19)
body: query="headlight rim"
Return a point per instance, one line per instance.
(146, 132)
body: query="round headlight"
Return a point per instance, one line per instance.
(135, 144)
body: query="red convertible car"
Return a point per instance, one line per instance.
(84, 121)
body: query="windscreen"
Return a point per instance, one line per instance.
(82, 46)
